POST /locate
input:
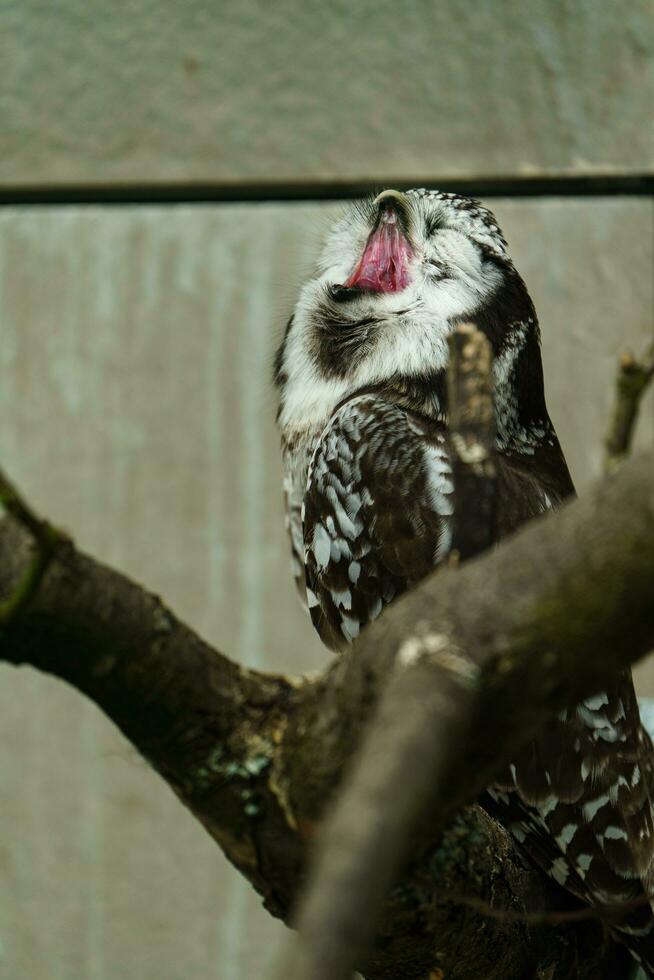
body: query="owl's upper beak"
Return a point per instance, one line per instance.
(393, 200)
(384, 265)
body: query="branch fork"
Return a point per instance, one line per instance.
(258, 757)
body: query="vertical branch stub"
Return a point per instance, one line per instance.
(472, 436)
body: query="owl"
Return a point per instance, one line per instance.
(361, 378)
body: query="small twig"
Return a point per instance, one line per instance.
(472, 440)
(46, 540)
(545, 918)
(632, 381)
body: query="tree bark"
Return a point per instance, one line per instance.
(546, 619)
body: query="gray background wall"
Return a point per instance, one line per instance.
(136, 345)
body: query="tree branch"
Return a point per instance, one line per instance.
(632, 381)
(425, 709)
(472, 437)
(257, 757)
(208, 726)
(551, 645)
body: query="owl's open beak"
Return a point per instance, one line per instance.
(384, 265)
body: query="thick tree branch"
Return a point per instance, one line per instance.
(367, 836)
(208, 726)
(590, 612)
(402, 767)
(257, 757)
(548, 617)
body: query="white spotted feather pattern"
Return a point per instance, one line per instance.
(579, 799)
(377, 512)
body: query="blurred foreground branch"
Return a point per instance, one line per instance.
(257, 757)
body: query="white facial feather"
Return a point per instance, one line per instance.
(411, 327)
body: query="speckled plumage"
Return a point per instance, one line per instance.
(369, 495)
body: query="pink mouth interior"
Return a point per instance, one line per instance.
(384, 265)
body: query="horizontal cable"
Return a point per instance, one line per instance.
(198, 193)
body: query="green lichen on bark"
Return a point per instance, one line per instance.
(246, 770)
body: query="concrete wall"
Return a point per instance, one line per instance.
(136, 411)
(247, 90)
(135, 355)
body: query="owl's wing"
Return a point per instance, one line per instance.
(377, 512)
(530, 484)
(578, 796)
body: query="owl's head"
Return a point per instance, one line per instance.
(395, 275)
